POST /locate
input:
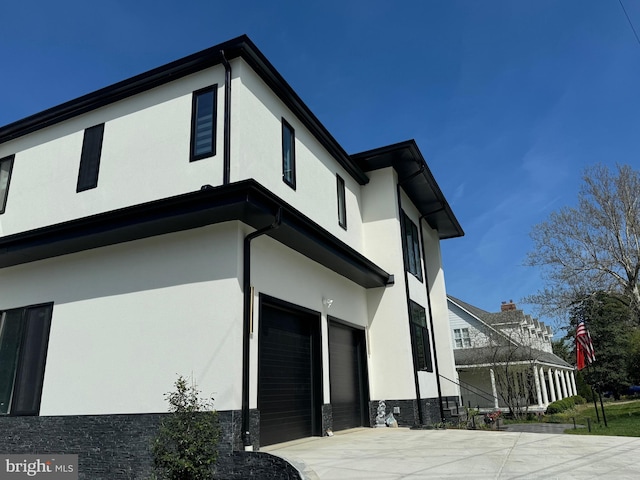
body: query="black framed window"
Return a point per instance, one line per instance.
(412, 258)
(203, 123)
(90, 158)
(342, 205)
(6, 165)
(420, 338)
(288, 154)
(24, 337)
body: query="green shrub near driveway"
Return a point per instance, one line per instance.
(565, 404)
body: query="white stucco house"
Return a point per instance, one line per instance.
(198, 219)
(504, 359)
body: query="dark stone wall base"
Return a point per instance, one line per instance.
(327, 418)
(409, 415)
(114, 447)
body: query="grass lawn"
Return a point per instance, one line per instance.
(623, 419)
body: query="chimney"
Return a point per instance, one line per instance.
(505, 307)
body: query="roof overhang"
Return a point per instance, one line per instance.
(417, 181)
(246, 201)
(241, 47)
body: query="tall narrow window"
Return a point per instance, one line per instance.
(203, 123)
(411, 247)
(6, 164)
(342, 206)
(90, 158)
(420, 338)
(288, 154)
(24, 337)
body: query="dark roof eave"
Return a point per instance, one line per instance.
(241, 46)
(406, 159)
(246, 201)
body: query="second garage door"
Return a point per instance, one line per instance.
(348, 375)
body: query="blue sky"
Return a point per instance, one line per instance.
(507, 99)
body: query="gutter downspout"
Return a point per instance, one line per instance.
(406, 287)
(246, 317)
(433, 333)
(226, 173)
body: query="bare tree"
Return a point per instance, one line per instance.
(594, 246)
(511, 354)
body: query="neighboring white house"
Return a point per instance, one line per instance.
(504, 360)
(198, 219)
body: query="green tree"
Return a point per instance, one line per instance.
(609, 321)
(186, 447)
(633, 360)
(562, 349)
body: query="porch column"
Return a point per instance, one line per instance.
(563, 382)
(556, 375)
(573, 382)
(551, 389)
(536, 378)
(545, 397)
(494, 390)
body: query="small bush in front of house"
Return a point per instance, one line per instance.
(565, 404)
(186, 447)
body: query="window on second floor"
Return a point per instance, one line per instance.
(420, 338)
(461, 338)
(288, 154)
(90, 158)
(412, 257)
(24, 337)
(342, 206)
(203, 123)
(6, 165)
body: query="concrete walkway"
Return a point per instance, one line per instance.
(400, 453)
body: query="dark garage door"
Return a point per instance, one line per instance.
(347, 369)
(288, 376)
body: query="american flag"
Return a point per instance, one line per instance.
(584, 347)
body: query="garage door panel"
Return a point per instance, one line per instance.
(286, 375)
(347, 376)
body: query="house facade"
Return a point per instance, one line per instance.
(504, 360)
(199, 220)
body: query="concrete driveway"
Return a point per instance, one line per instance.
(400, 453)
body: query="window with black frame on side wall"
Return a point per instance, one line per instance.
(420, 338)
(203, 123)
(24, 337)
(342, 206)
(90, 158)
(412, 247)
(6, 165)
(288, 154)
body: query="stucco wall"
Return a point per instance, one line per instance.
(127, 319)
(145, 156)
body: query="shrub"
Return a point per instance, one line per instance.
(186, 447)
(565, 404)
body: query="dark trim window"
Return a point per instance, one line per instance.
(342, 205)
(24, 337)
(288, 154)
(412, 258)
(420, 338)
(90, 158)
(6, 165)
(203, 123)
